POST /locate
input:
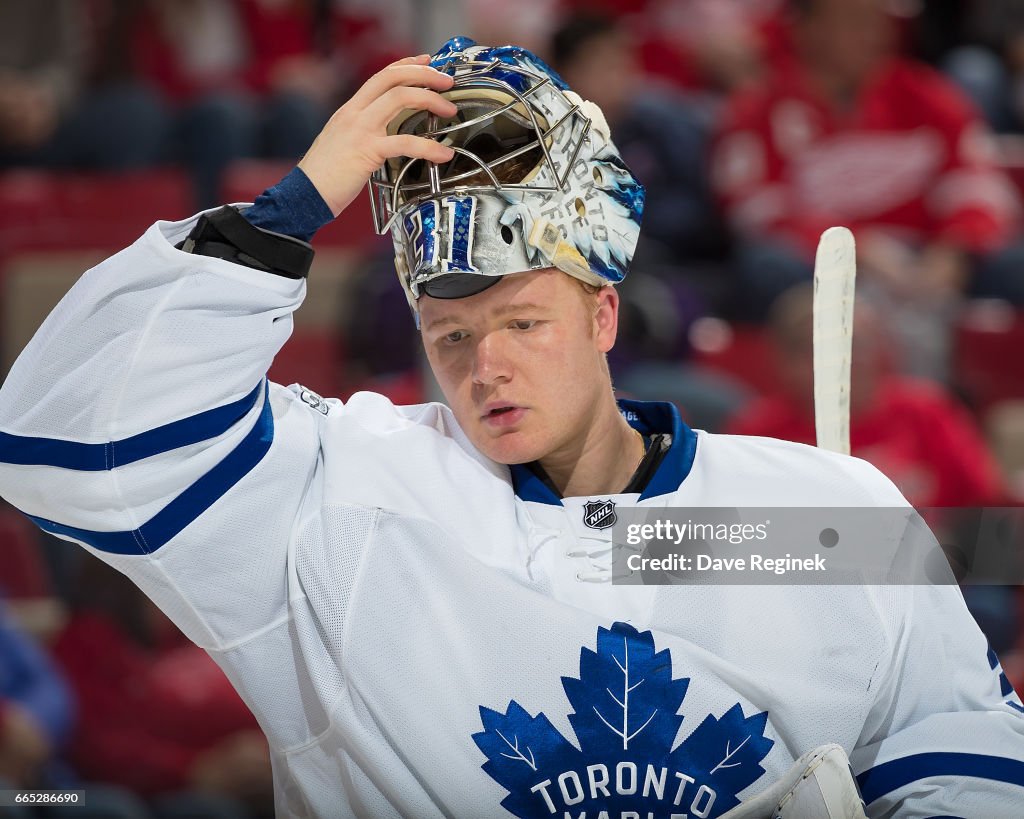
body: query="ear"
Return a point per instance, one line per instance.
(606, 318)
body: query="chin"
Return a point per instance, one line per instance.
(510, 448)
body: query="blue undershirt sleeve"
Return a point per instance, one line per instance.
(292, 207)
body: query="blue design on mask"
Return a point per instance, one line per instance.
(631, 197)
(456, 45)
(604, 270)
(448, 57)
(421, 236)
(516, 55)
(461, 211)
(625, 720)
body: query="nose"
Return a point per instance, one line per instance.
(491, 363)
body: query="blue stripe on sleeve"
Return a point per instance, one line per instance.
(28, 451)
(889, 776)
(189, 505)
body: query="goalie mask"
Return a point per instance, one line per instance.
(535, 181)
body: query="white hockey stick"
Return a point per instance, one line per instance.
(835, 269)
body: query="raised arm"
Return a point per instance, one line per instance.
(139, 422)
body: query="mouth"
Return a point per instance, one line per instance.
(503, 415)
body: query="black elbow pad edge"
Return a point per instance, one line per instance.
(227, 234)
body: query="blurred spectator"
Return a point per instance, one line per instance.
(118, 84)
(157, 716)
(35, 709)
(527, 23)
(715, 46)
(244, 78)
(913, 431)
(678, 273)
(53, 113)
(847, 133)
(36, 712)
(985, 57)
(660, 133)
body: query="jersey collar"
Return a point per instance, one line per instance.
(648, 418)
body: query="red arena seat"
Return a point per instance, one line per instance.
(59, 211)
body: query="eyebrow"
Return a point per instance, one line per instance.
(521, 307)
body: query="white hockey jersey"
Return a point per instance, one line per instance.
(411, 622)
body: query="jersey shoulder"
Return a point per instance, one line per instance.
(773, 468)
(377, 415)
(415, 459)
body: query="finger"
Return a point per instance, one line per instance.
(411, 74)
(422, 59)
(416, 147)
(384, 109)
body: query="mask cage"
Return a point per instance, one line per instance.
(389, 197)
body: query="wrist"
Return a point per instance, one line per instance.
(293, 207)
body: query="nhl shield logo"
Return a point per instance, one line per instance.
(599, 514)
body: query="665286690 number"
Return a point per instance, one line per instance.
(49, 797)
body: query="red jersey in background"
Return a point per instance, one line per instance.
(908, 155)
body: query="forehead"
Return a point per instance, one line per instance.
(547, 289)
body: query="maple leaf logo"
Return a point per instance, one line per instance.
(626, 719)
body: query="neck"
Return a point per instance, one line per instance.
(602, 461)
